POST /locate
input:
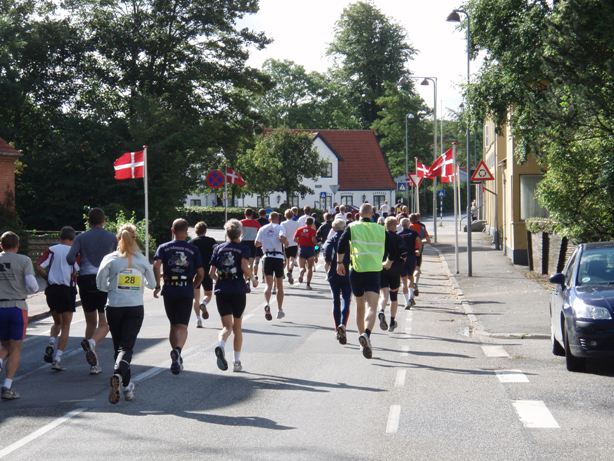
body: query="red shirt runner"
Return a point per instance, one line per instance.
(305, 236)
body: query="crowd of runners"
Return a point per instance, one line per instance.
(366, 256)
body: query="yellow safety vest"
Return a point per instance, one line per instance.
(367, 246)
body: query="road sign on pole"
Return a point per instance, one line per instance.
(414, 180)
(482, 173)
(401, 186)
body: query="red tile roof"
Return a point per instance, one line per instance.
(7, 149)
(362, 165)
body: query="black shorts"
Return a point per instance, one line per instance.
(307, 252)
(274, 266)
(391, 279)
(252, 248)
(178, 309)
(207, 282)
(419, 260)
(92, 299)
(61, 298)
(291, 252)
(230, 304)
(259, 252)
(364, 281)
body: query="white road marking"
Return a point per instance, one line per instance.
(40, 432)
(511, 376)
(405, 351)
(535, 414)
(494, 351)
(392, 426)
(400, 379)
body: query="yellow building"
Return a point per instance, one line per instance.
(515, 186)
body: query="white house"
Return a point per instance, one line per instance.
(357, 172)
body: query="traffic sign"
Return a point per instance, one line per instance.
(322, 194)
(414, 180)
(401, 186)
(482, 173)
(215, 179)
(441, 193)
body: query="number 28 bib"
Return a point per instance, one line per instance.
(129, 279)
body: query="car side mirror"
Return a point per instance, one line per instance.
(557, 278)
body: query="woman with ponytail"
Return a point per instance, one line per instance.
(123, 274)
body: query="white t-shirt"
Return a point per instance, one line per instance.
(384, 208)
(341, 216)
(302, 221)
(270, 238)
(290, 227)
(60, 272)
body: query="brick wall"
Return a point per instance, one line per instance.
(7, 177)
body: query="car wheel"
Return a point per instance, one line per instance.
(557, 349)
(572, 362)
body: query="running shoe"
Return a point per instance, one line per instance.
(203, 310)
(129, 391)
(412, 301)
(341, 335)
(9, 394)
(290, 278)
(114, 391)
(176, 362)
(48, 357)
(56, 366)
(255, 282)
(90, 355)
(280, 315)
(267, 312)
(308, 287)
(382, 321)
(365, 344)
(300, 276)
(199, 323)
(95, 370)
(236, 366)
(393, 326)
(248, 288)
(222, 364)
(416, 291)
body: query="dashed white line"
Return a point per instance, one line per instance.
(40, 432)
(392, 426)
(511, 376)
(405, 350)
(534, 414)
(494, 351)
(400, 379)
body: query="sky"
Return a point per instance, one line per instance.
(302, 30)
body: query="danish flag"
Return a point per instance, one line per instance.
(421, 169)
(130, 166)
(234, 177)
(443, 166)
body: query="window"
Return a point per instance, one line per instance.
(325, 202)
(329, 171)
(264, 201)
(293, 200)
(347, 200)
(529, 208)
(378, 201)
(195, 202)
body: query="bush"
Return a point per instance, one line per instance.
(535, 225)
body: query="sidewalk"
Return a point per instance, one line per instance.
(504, 299)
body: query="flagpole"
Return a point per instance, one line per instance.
(455, 207)
(146, 203)
(225, 192)
(417, 188)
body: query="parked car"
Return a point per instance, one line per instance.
(582, 306)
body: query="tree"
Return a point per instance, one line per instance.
(369, 49)
(280, 161)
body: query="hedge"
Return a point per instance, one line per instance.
(535, 225)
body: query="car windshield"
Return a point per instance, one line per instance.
(596, 267)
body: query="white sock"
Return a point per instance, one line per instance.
(53, 340)
(92, 343)
(197, 317)
(221, 343)
(8, 383)
(58, 355)
(237, 356)
(411, 293)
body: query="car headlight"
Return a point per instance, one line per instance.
(589, 312)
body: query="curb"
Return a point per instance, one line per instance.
(468, 310)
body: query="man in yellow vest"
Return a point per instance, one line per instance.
(367, 243)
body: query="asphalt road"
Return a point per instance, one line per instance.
(433, 390)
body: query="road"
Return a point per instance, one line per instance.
(433, 390)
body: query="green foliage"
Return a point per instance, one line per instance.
(547, 225)
(121, 218)
(280, 161)
(369, 50)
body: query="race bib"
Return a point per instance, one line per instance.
(129, 279)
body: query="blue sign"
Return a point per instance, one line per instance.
(401, 186)
(441, 193)
(323, 195)
(269, 211)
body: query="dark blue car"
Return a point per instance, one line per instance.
(582, 306)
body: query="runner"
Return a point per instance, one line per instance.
(250, 230)
(272, 240)
(322, 235)
(367, 243)
(339, 284)
(294, 213)
(183, 271)
(60, 293)
(17, 280)
(420, 228)
(391, 277)
(384, 209)
(205, 245)
(123, 274)
(263, 221)
(230, 269)
(302, 220)
(90, 247)
(413, 245)
(290, 226)
(342, 214)
(305, 236)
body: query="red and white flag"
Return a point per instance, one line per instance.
(421, 169)
(443, 166)
(130, 166)
(234, 177)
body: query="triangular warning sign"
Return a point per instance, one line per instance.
(414, 180)
(482, 173)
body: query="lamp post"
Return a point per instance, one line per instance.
(425, 82)
(407, 117)
(455, 17)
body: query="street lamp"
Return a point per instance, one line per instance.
(425, 82)
(455, 17)
(407, 117)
